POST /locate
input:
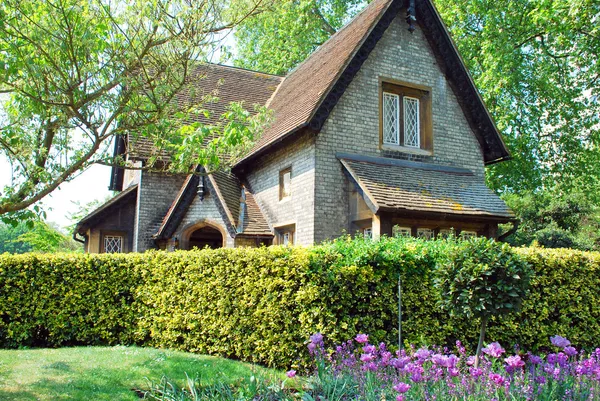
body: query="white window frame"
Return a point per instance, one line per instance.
(466, 234)
(368, 233)
(401, 231)
(111, 237)
(418, 120)
(425, 233)
(396, 98)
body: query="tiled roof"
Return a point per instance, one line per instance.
(125, 195)
(229, 84)
(302, 91)
(228, 191)
(397, 185)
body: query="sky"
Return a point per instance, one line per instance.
(90, 185)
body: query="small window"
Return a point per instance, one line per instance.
(113, 244)
(446, 233)
(368, 233)
(465, 234)
(399, 231)
(406, 117)
(286, 235)
(285, 183)
(425, 233)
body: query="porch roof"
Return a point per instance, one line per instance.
(399, 185)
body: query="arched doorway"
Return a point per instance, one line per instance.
(206, 236)
(202, 235)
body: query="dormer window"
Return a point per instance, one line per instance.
(405, 117)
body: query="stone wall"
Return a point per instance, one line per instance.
(155, 194)
(205, 211)
(353, 125)
(299, 209)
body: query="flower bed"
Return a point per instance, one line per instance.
(357, 370)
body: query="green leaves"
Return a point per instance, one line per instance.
(482, 278)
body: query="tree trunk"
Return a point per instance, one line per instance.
(481, 338)
(399, 311)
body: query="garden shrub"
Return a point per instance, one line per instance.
(261, 304)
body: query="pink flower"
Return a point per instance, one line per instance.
(402, 387)
(291, 373)
(362, 338)
(494, 350)
(498, 379)
(367, 357)
(513, 363)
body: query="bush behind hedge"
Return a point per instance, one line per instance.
(261, 305)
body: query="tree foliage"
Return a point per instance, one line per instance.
(280, 38)
(37, 236)
(482, 278)
(77, 73)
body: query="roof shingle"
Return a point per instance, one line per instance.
(397, 185)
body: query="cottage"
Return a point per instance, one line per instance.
(380, 131)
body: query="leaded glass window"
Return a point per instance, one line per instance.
(113, 244)
(425, 233)
(411, 122)
(398, 231)
(468, 234)
(391, 119)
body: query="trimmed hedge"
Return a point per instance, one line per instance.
(261, 305)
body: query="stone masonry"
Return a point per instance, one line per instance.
(353, 125)
(299, 209)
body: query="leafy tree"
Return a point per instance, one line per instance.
(480, 279)
(556, 219)
(283, 36)
(37, 236)
(75, 74)
(8, 238)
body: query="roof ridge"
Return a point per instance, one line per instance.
(343, 28)
(244, 69)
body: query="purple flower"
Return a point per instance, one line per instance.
(475, 372)
(560, 342)
(291, 373)
(513, 363)
(571, 351)
(362, 338)
(402, 387)
(370, 349)
(497, 379)
(422, 353)
(534, 359)
(367, 357)
(494, 350)
(316, 338)
(540, 379)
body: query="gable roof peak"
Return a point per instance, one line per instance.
(309, 92)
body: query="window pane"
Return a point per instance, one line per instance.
(425, 233)
(468, 234)
(398, 231)
(391, 118)
(285, 183)
(113, 244)
(368, 233)
(411, 122)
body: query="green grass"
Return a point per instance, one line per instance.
(108, 373)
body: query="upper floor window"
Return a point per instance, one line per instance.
(285, 183)
(406, 117)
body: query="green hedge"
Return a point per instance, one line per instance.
(261, 305)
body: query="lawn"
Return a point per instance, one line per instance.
(107, 373)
